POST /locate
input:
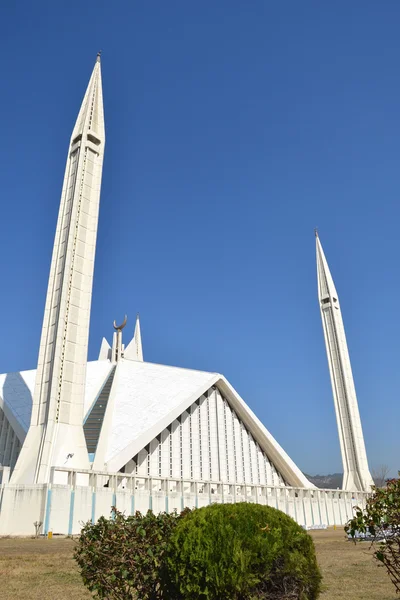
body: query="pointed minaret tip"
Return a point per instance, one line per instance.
(98, 56)
(316, 232)
(134, 350)
(91, 113)
(326, 287)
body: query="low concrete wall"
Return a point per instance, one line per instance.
(63, 509)
(20, 507)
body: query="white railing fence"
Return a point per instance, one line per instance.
(76, 496)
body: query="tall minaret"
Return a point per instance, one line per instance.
(355, 464)
(55, 436)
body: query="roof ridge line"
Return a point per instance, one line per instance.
(170, 366)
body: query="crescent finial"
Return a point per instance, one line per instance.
(120, 327)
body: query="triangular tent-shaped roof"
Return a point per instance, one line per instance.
(145, 398)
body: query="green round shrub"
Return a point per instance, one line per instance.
(241, 552)
(122, 558)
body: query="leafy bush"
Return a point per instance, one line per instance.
(381, 519)
(122, 558)
(240, 552)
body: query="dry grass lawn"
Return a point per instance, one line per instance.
(348, 569)
(39, 570)
(45, 570)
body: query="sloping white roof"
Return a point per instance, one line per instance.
(144, 399)
(282, 461)
(96, 373)
(16, 391)
(145, 395)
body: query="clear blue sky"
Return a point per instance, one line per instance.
(233, 129)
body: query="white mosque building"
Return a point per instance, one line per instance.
(79, 437)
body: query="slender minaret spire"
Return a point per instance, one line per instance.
(134, 350)
(55, 437)
(137, 339)
(356, 474)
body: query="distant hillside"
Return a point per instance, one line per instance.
(331, 482)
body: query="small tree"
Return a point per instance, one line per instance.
(380, 475)
(381, 519)
(37, 525)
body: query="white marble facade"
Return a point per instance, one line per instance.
(165, 421)
(176, 437)
(207, 442)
